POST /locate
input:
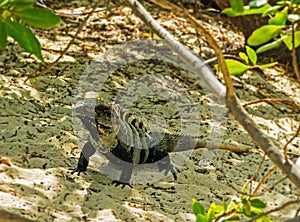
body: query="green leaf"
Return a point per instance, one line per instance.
(198, 208)
(210, 214)
(283, 2)
(39, 17)
(255, 211)
(293, 17)
(251, 54)
(235, 67)
(246, 206)
(294, 1)
(265, 218)
(288, 40)
(257, 3)
(264, 66)
(21, 7)
(270, 45)
(244, 190)
(224, 204)
(201, 218)
(4, 3)
(230, 12)
(272, 10)
(14, 2)
(279, 18)
(237, 5)
(247, 11)
(23, 1)
(3, 36)
(215, 211)
(24, 37)
(255, 202)
(244, 57)
(264, 34)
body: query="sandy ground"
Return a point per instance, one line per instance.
(38, 144)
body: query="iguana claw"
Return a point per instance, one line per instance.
(117, 183)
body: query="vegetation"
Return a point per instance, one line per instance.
(281, 28)
(249, 61)
(245, 207)
(16, 15)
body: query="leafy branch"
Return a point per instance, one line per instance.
(14, 14)
(249, 62)
(244, 207)
(282, 25)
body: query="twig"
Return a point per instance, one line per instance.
(225, 215)
(69, 44)
(275, 209)
(199, 28)
(67, 14)
(275, 184)
(286, 145)
(263, 180)
(294, 54)
(266, 100)
(257, 170)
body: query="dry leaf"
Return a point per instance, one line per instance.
(5, 161)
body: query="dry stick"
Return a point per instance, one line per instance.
(189, 58)
(275, 209)
(286, 145)
(294, 54)
(67, 14)
(232, 101)
(69, 44)
(266, 100)
(257, 171)
(227, 214)
(275, 184)
(263, 180)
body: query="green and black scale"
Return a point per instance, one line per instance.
(156, 114)
(127, 138)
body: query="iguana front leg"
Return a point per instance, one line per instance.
(164, 162)
(125, 176)
(87, 151)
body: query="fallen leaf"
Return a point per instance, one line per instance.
(5, 161)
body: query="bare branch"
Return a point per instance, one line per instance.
(267, 100)
(69, 44)
(263, 180)
(189, 58)
(286, 145)
(294, 55)
(232, 101)
(275, 209)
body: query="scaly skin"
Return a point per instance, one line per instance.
(152, 147)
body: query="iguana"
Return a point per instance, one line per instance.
(119, 134)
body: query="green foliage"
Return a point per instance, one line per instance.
(249, 59)
(247, 10)
(14, 14)
(237, 5)
(279, 29)
(264, 34)
(244, 207)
